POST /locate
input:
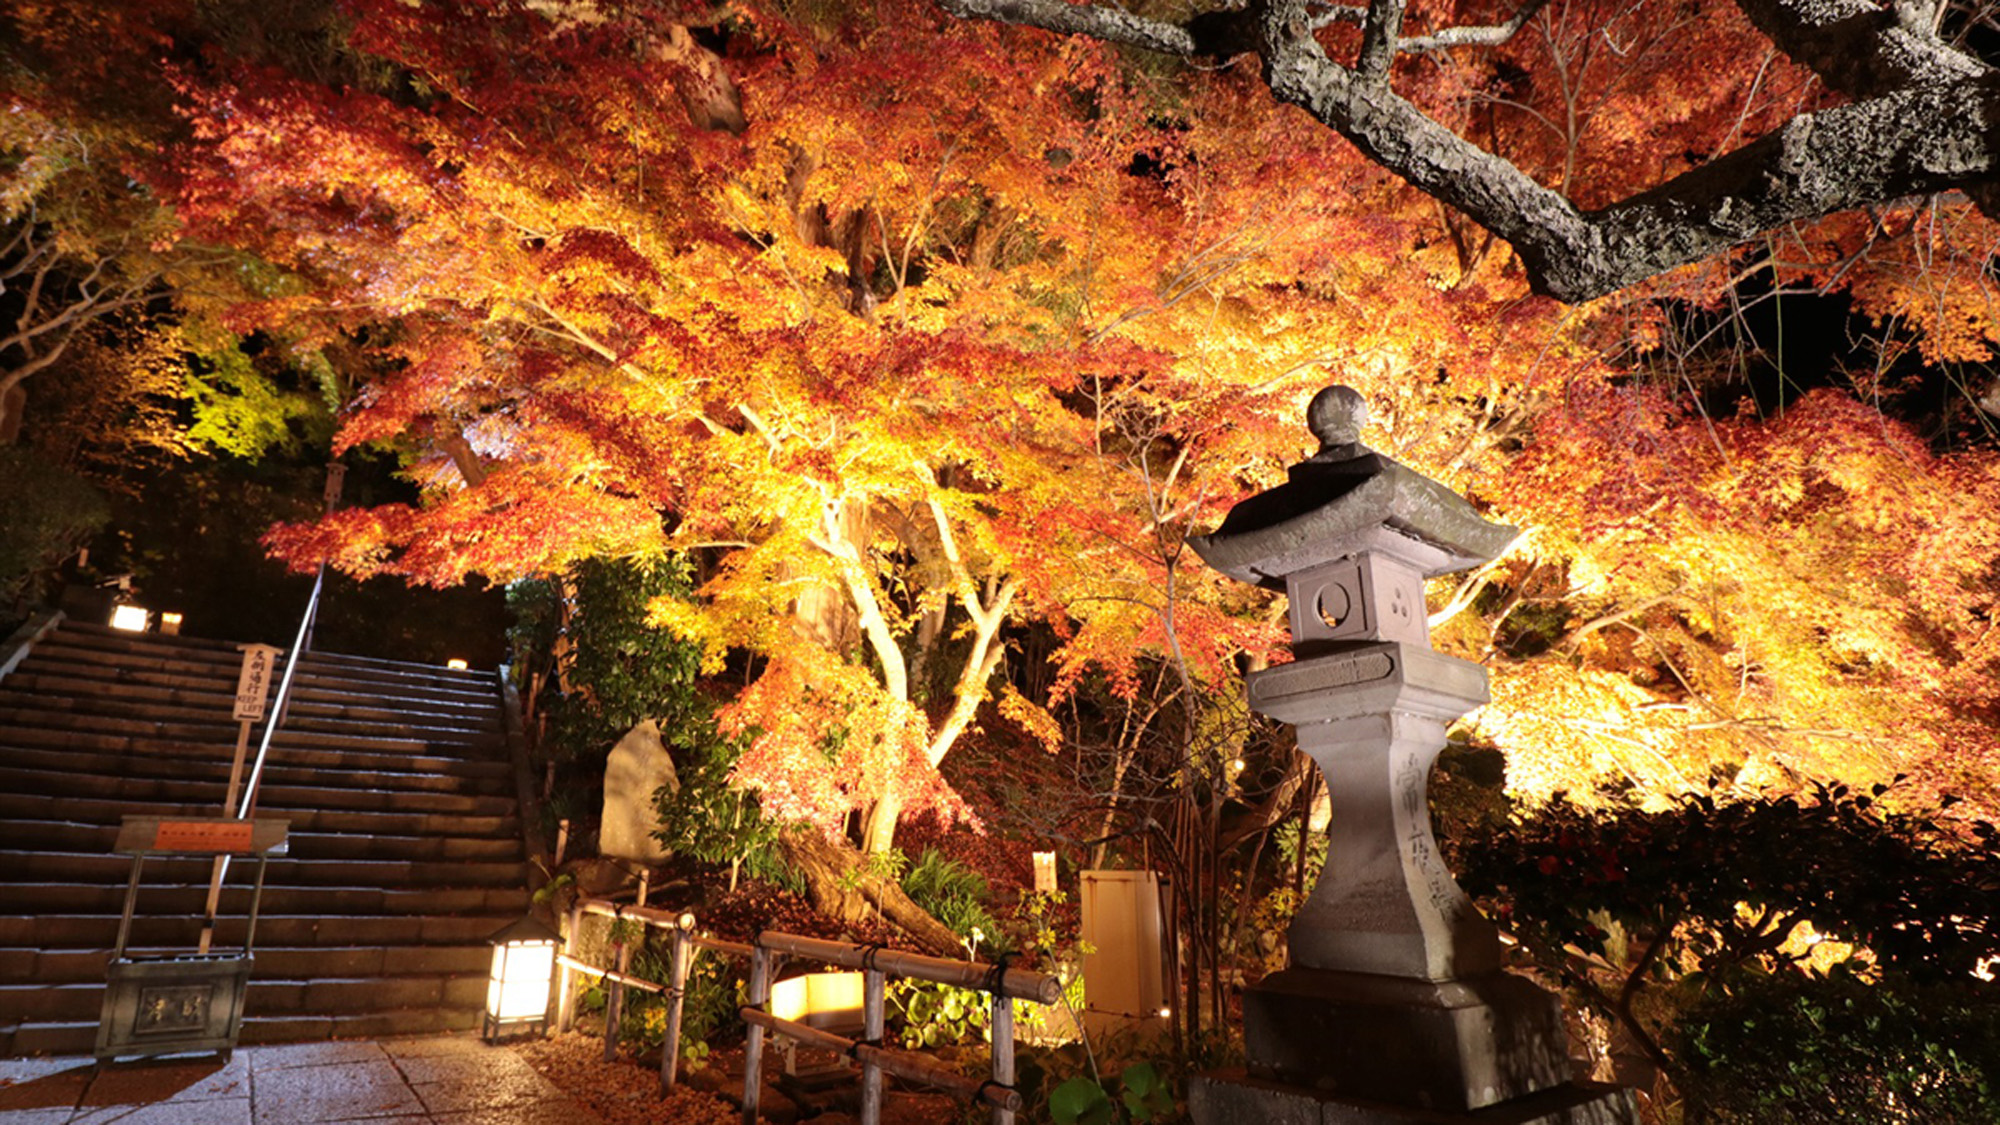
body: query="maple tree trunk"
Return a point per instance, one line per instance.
(878, 832)
(13, 404)
(837, 886)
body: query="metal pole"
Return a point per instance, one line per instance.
(131, 900)
(670, 1050)
(256, 900)
(753, 1046)
(872, 982)
(1003, 1052)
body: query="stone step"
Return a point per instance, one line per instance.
(108, 810)
(273, 798)
(81, 1038)
(375, 669)
(110, 873)
(22, 964)
(405, 853)
(100, 629)
(96, 931)
(88, 637)
(105, 638)
(283, 768)
(297, 897)
(56, 718)
(214, 720)
(19, 834)
(304, 707)
(327, 996)
(439, 758)
(114, 680)
(220, 670)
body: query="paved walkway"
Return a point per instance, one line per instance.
(430, 1081)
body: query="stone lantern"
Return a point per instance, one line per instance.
(1394, 1007)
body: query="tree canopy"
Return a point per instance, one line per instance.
(928, 340)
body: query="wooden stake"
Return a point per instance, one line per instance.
(566, 999)
(614, 1008)
(872, 990)
(670, 1051)
(753, 1047)
(1003, 1054)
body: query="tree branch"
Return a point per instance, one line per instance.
(1108, 24)
(1920, 127)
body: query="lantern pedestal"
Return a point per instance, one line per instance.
(1235, 1096)
(1456, 1045)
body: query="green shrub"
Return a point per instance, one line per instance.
(1837, 1049)
(955, 895)
(47, 514)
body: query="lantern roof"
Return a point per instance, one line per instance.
(527, 929)
(1342, 500)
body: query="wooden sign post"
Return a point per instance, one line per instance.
(253, 688)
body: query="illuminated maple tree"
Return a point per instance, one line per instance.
(915, 332)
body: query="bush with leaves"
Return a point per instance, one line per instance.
(604, 670)
(1678, 921)
(49, 513)
(1773, 1050)
(609, 669)
(956, 895)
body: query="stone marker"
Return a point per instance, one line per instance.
(1394, 1008)
(639, 765)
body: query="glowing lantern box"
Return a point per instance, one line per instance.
(828, 1001)
(517, 993)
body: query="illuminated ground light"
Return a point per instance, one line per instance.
(170, 624)
(517, 992)
(130, 618)
(456, 663)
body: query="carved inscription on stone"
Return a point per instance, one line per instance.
(1440, 890)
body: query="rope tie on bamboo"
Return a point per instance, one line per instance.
(996, 976)
(979, 1095)
(854, 1046)
(868, 953)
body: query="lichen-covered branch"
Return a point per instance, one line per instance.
(1922, 123)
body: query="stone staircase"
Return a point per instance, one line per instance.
(406, 845)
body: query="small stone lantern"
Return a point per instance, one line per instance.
(1394, 1002)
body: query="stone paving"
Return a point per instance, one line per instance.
(427, 1081)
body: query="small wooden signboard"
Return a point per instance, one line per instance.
(201, 835)
(253, 682)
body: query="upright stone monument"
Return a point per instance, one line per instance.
(639, 767)
(1394, 1008)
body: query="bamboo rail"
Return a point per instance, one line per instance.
(767, 955)
(903, 1064)
(1021, 984)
